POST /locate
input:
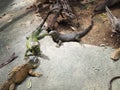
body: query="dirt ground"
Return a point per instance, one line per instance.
(101, 34)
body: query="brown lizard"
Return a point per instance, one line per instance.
(19, 73)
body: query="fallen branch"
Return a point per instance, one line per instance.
(13, 57)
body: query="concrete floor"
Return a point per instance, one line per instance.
(71, 67)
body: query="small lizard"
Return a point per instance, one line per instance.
(114, 20)
(75, 36)
(32, 43)
(19, 73)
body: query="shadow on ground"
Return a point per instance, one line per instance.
(4, 4)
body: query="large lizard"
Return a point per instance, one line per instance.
(75, 36)
(19, 73)
(32, 43)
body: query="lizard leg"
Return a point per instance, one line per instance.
(26, 53)
(34, 73)
(26, 57)
(12, 86)
(59, 44)
(77, 38)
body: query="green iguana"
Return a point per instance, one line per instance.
(19, 73)
(32, 43)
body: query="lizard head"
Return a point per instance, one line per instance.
(116, 28)
(53, 33)
(34, 61)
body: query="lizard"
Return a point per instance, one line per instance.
(75, 36)
(114, 21)
(32, 43)
(101, 7)
(19, 73)
(115, 28)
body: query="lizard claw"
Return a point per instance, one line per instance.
(38, 75)
(57, 46)
(26, 58)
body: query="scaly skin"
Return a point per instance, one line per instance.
(33, 46)
(115, 22)
(32, 43)
(74, 37)
(19, 73)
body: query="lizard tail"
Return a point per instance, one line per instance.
(6, 85)
(40, 26)
(87, 30)
(110, 83)
(109, 14)
(13, 57)
(43, 22)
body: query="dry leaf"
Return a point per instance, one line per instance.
(29, 84)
